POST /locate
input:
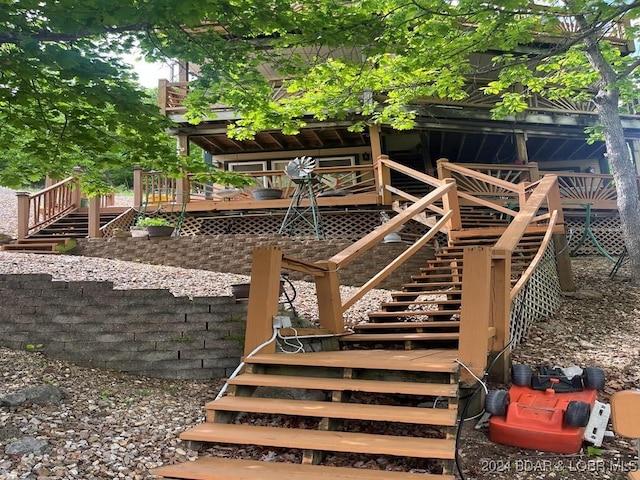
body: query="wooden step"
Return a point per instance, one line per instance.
(30, 246)
(345, 384)
(420, 302)
(347, 411)
(406, 325)
(414, 313)
(321, 440)
(425, 285)
(214, 468)
(400, 337)
(425, 292)
(433, 360)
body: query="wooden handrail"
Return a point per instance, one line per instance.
(366, 243)
(524, 278)
(527, 213)
(483, 177)
(423, 177)
(397, 262)
(45, 206)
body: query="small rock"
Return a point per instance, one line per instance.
(43, 394)
(27, 445)
(585, 344)
(13, 399)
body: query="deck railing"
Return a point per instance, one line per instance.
(37, 210)
(268, 261)
(540, 208)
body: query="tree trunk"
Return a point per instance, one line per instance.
(624, 172)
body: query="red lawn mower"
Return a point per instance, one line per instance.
(546, 409)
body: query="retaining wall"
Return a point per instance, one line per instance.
(233, 254)
(145, 332)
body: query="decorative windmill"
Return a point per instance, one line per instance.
(300, 171)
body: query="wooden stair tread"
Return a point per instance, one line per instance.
(214, 468)
(414, 313)
(433, 284)
(345, 384)
(426, 292)
(394, 337)
(406, 325)
(408, 303)
(351, 411)
(433, 360)
(324, 440)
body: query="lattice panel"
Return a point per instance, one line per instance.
(607, 231)
(352, 225)
(122, 222)
(539, 298)
(191, 226)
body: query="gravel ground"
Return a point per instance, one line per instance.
(180, 281)
(111, 425)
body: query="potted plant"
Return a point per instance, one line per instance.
(156, 227)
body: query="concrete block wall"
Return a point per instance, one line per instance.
(145, 332)
(233, 254)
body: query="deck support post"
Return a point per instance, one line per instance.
(263, 298)
(501, 286)
(522, 155)
(94, 218)
(23, 214)
(329, 301)
(475, 315)
(137, 186)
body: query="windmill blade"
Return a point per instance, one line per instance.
(300, 167)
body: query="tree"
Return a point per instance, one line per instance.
(372, 61)
(66, 99)
(65, 94)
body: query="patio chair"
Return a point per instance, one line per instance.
(625, 417)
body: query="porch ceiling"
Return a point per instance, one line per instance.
(217, 142)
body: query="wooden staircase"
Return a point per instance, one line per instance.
(59, 236)
(383, 406)
(385, 403)
(364, 406)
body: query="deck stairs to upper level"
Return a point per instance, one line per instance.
(59, 236)
(382, 405)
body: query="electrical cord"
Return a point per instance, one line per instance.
(299, 348)
(243, 363)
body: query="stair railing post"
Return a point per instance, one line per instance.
(182, 189)
(501, 308)
(137, 186)
(263, 298)
(476, 312)
(329, 300)
(23, 214)
(534, 171)
(77, 191)
(560, 243)
(94, 218)
(522, 193)
(383, 178)
(443, 171)
(451, 204)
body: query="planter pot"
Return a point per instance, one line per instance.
(266, 193)
(241, 290)
(159, 231)
(139, 232)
